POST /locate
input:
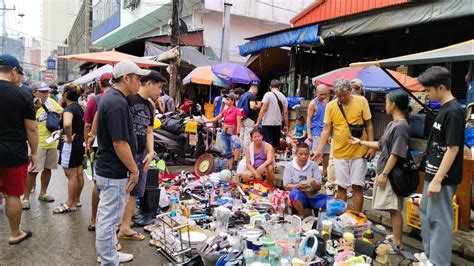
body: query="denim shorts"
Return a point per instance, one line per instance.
(230, 142)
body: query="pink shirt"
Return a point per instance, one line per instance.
(230, 117)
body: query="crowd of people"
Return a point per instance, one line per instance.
(40, 130)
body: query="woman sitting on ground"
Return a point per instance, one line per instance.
(259, 157)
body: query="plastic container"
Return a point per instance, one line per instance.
(469, 135)
(173, 206)
(413, 214)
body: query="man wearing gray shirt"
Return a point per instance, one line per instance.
(303, 179)
(273, 113)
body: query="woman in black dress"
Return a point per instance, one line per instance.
(72, 147)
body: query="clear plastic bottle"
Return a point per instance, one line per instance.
(173, 206)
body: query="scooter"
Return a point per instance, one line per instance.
(172, 144)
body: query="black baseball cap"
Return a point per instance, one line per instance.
(154, 76)
(10, 61)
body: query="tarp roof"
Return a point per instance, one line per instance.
(463, 51)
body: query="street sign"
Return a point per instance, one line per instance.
(49, 76)
(51, 63)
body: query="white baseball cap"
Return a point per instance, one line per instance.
(128, 67)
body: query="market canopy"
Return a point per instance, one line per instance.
(288, 37)
(112, 58)
(204, 75)
(374, 79)
(463, 51)
(93, 74)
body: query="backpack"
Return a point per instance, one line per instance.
(52, 119)
(404, 177)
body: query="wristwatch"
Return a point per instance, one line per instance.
(385, 174)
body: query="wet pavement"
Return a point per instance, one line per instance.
(63, 239)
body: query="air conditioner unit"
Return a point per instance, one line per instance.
(132, 4)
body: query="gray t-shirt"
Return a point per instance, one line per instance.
(273, 116)
(169, 103)
(294, 174)
(396, 137)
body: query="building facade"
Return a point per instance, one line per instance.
(125, 21)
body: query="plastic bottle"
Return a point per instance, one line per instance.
(469, 135)
(173, 206)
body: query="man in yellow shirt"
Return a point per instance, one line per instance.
(47, 151)
(350, 161)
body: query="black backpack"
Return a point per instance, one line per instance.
(404, 176)
(52, 120)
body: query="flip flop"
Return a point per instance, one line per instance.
(28, 234)
(135, 236)
(91, 228)
(46, 198)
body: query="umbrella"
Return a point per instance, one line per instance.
(235, 73)
(112, 58)
(204, 75)
(374, 78)
(93, 74)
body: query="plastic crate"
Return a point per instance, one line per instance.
(413, 214)
(358, 230)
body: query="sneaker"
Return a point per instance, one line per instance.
(123, 257)
(25, 204)
(421, 257)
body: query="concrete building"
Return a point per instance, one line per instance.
(116, 23)
(58, 17)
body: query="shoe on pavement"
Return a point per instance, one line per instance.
(25, 204)
(123, 257)
(421, 257)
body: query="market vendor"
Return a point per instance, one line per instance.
(259, 157)
(230, 129)
(302, 178)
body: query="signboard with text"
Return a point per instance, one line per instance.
(49, 76)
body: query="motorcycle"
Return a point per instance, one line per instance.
(172, 144)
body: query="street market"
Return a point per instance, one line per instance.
(336, 134)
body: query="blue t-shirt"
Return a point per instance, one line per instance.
(300, 129)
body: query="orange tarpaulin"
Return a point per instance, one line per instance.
(112, 58)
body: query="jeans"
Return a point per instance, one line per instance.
(437, 224)
(113, 197)
(229, 142)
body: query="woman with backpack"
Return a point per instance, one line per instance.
(72, 148)
(394, 146)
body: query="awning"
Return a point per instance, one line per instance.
(457, 52)
(94, 74)
(290, 37)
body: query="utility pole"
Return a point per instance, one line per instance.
(4, 23)
(174, 43)
(225, 41)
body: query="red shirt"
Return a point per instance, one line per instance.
(91, 109)
(230, 116)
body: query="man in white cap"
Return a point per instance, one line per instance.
(47, 147)
(116, 170)
(357, 87)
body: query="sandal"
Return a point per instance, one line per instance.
(134, 236)
(25, 204)
(78, 205)
(28, 234)
(63, 208)
(91, 228)
(46, 198)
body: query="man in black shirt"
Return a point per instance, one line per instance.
(443, 172)
(17, 126)
(143, 113)
(116, 170)
(249, 105)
